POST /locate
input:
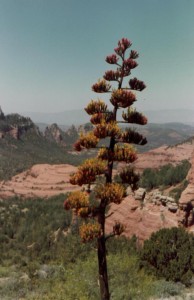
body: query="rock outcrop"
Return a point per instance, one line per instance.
(15, 126)
(186, 201)
(140, 220)
(145, 213)
(54, 134)
(158, 198)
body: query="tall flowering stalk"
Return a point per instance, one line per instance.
(119, 149)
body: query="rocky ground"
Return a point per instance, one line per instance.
(140, 218)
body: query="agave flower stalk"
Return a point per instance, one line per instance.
(119, 149)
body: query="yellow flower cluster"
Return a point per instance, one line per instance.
(122, 98)
(128, 175)
(96, 166)
(125, 153)
(84, 212)
(104, 130)
(97, 118)
(96, 107)
(133, 137)
(76, 200)
(88, 171)
(88, 140)
(132, 116)
(101, 117)
(110, 192)
(90, 231)
(102, 86)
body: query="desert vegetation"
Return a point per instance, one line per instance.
(169, 254)
(39, 260)
(167, 175)
(19, 155)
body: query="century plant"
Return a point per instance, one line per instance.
(119, 149)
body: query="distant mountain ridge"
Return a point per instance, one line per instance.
(171, 115)
(17, 126)
(165, 134)
(79, 116)
(22, 144)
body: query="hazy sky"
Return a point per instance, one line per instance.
(52, 51)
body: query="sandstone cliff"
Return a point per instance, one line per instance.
(14, 125)
(155, 211)
(54, 133)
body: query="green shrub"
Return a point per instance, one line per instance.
(176, 192)
(166, 175)
(71, 266)
(163, 288)
(169, 253)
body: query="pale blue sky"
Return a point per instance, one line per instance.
(52, 51)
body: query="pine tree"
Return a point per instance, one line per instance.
(119, 149)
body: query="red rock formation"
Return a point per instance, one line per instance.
(186, 201)
(14, 132)
(188, 194)
(142, 221)
(39, 181)
(54, 133)
(165, 155)
(138, 220)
